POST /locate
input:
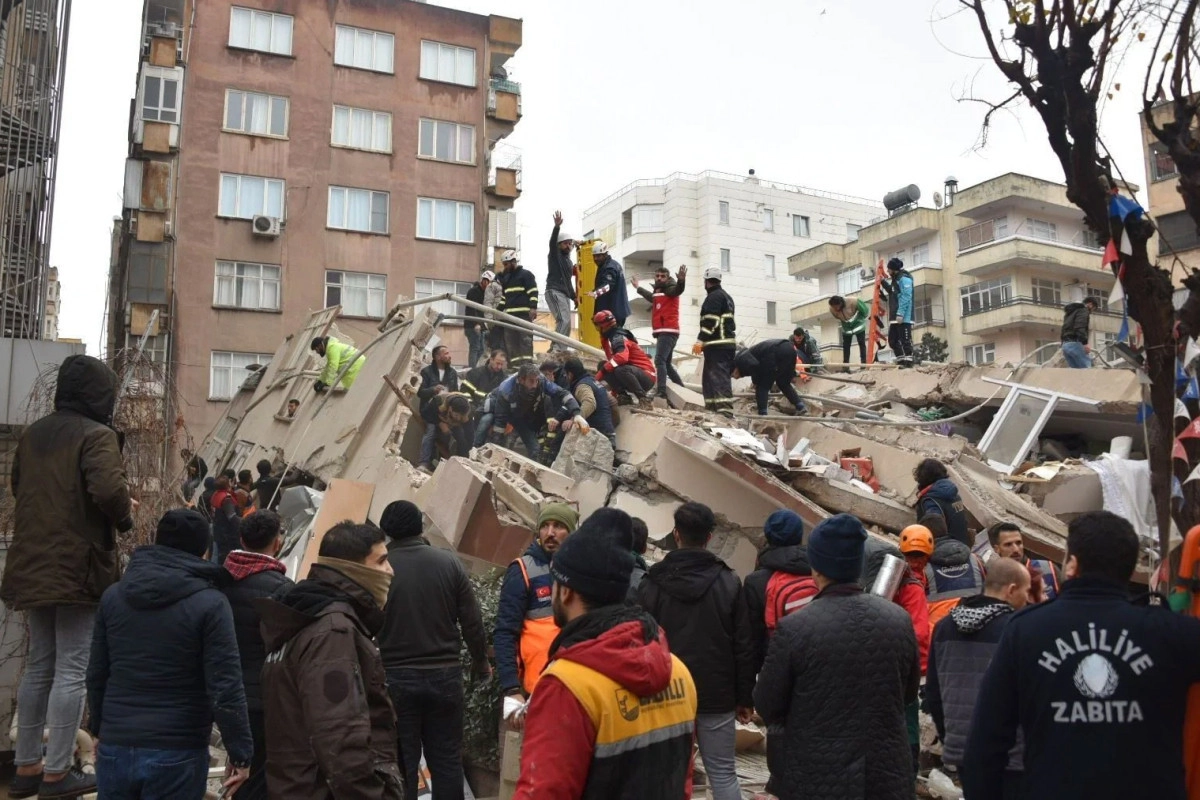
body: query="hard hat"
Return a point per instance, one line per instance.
(602, 319)
(508, 255)
(599, 248)
(712, 273)
(916, 539)
(563, 236)
(487, 275)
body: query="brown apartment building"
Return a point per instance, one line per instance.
(1178, 241)
(288, 156)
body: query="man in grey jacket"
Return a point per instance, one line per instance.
(560, 277)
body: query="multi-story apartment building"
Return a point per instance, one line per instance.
(289, 156)
(993, 267)
(53, 305)
(745, 225)
(1177, 236)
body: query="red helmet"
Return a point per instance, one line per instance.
(603, 319)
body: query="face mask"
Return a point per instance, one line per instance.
(375, 582)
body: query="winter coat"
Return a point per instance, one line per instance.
(941, 499)
(253, 576)
(434, 581)
(700, 604)
(226, 522)
(792, 559)
(431, 378)
(953, 572)
(910, 594)
(963, 645)
(518, 602)
(511, 404)
(70, 489)
(664, 305)
(475, 295)
(717, 325)
(480, 381)
(611, 292)
(560, 272)
(768, 361)
(810, 352)
(337, 356)
(900, 299)
(330, 727)
(164, 664)
(839, 694)
(520, 292)
(1076, 319)
(621, 348)
(1098, 686)
(858, 322)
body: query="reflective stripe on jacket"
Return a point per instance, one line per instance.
(621, 348)
(717, 325)
(520, 291)
(539, 630)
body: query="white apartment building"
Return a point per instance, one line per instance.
(747, 226)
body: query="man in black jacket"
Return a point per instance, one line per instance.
(962, 648)
(698, 601)
(717, 341)
(1097, 684)
(437, 377)
(475, 330)
(560, 277)
(772, 361)
(1077, 318)
(430, 598)
(164, 667)
(256, 573)
(521, 301)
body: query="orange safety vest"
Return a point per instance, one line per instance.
(539, 630)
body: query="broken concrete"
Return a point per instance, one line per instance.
(837, 497)
(460, 504)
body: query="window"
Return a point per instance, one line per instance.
(723, 212)
(260, 30)
(146, 281)
(448, 220)
(447, 141)
(243, 196)
(254, 113)
(982, 232)
(725, 259)
(1162, 166)
(768, 219)
(770, 312)
(254, 287)
(647, 219)
(1176, 233)
(228, 371)
(362, 129)
(800, 226)
(1104, 343)
(852, 231)
(428, 287)
(848, 281)
(1043, 352)
(769, 266)
(1101, 296)
(358, 210)
(154, 349)
(984, 295)
(1047, 293)
(1040, 229)
(981, 353)
(361, 49)
(358, 293)
(920, 254)
(447, 63)
(922, 306)
(160, 95)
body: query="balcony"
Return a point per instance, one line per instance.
(1015, 191)
(1020, 311)
(891, 234)
(643, 244)
(504, 39)
(816, 310)
(817, 259)
(1002, 255)
(504, 172)
(504, 101)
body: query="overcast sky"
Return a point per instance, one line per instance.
(852, 96)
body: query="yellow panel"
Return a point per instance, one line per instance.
(587, 305)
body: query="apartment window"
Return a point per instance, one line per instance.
(254, 287)
(244, 196)
(1040, 229)
(362, 49)
(255, 113)
(800, 226)
(358, 293)
(852, 231)
(770, 312)
(1047, 293)
(160, 94)
(1176, 233)
(1043, 352)
(448, 220)
(769, 266)
(260, 30)
(447, 63)
(981, 353)
(647, 219)
(1101, 296)
(428, 287)
(154, 349)
(920, 254)
(362, 129)
(922, 306)
(358, 210)
(146, 281)
(848, 281)
(768, 219)
(725, 259)
(723, 212)
(227, 371)
(1162, 166)
(985, 294)
(447, 141)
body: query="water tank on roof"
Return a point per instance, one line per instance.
(901, 197)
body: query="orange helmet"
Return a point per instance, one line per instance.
(916, 539)
(603, 319)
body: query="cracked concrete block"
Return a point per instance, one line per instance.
(582, 455)
(657, 511)
(685, 398)
(638, 436)
(591, 493)
(838, 497)
(459, 502)
(1075, 490)
(521, 499)
(541, 477)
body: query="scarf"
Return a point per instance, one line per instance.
(241, 564)
(375, 582)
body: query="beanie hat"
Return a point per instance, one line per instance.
(183, 529)
(210, 484)
(895, 263)
(784, 528)
(593, 560)
(401, 520)
(835, 548)
(559, 512)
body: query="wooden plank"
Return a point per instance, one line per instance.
(343, 500)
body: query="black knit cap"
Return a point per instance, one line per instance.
(401, 520)
(183, 529)
(597, 559)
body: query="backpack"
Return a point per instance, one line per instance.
(787, 594)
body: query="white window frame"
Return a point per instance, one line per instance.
(256, 17)
(1041, 229)
(983, 290)
(374, 288)
(1162, 166)
(339, 211)
(722, 212)
(772, 314)
(769, 266)
(920, 254)
(382, 49)
(849, 281)
(459, 236)
(237, 361)
(801, 226)
(1039, 287)
(852, 231)
(1101, 296)
(980, 354)
(248, 213)
(161, 112)
(273, 112)
(378, 126)
(647, 218)
(726, 260)
(237, 276)
(430, 287)
(433, 71)
(767, 215)
(461, 134)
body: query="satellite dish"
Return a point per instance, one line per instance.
(937, 199)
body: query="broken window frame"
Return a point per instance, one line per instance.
(1015, 393)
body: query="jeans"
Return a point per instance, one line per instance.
(457, 437)
(429, 717)
(900, 340)
(52, 691)
(529, 438)
(664, 348)
(483, 428)
(560, 307)
(475, 346)
(628, 379)
(142, 773)
(716, 735)
(862, 346)
(1077, 357)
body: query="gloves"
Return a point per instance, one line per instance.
(533, 315)
(697, 349)
(319, 387)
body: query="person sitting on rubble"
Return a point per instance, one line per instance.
(808, 350)
(626, 367)
(937, 496)
(518, 406)
(226, 520)
(447, 420)
(772, 361)
(1005, 541)
(595, 405)
(437, 377)
(338, 356)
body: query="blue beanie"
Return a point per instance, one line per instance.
(784, 528)
(835, 548)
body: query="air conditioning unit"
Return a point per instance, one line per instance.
(265, 226)
(866, 274)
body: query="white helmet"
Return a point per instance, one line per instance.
(508, 255)
(599, 248)
(563, 236)
(488, 275)
(712, 273)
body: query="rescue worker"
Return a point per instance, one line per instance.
(594, 404)
(518, 406)
(916, 545)
(938, 496)
(808, 349)
(560, 277)
(853, 323)
(1076, 320)
(1005, 541)
(772, 361)
(717, 342)
(480, 381)
(610, 292)
(900, 310)
(953, 572)
(664, 321)
(337, 355)
(521, 301)
(626, 368)
(476, 332)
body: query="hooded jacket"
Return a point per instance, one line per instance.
(330, 727)
(900, 300)
(792, 559)
(253, 576)
(1076, 320)
(164, 662)
(953, 572)
(810, 352)
(767, 361)
(664, 305)
(699, 602)
(941, 498)
(560, 272)
(621, 348)
(71, 494)
(337, 356)
(611, 292)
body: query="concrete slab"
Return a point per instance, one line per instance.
(684, 398)
(989, 503)
(541, 477)
(582, 455)
(1075, 490)
(1117, 390)
(459, 502)
(872, 509)
(524, 501)
(659, 514)
(638, 436)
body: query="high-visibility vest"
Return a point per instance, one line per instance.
(539, 631)
(948, 585)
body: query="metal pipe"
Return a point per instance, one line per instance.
(545, 334)
(530, 327)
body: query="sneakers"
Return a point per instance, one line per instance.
(74, 784)
(24, 785)
(425, 467)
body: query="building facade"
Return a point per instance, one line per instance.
(53, 305)
(993, 268)
(745, 225)
(1177, 237)
(291, 156)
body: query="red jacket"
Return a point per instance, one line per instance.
(664, 305)
(911, 597)
(621, 348)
